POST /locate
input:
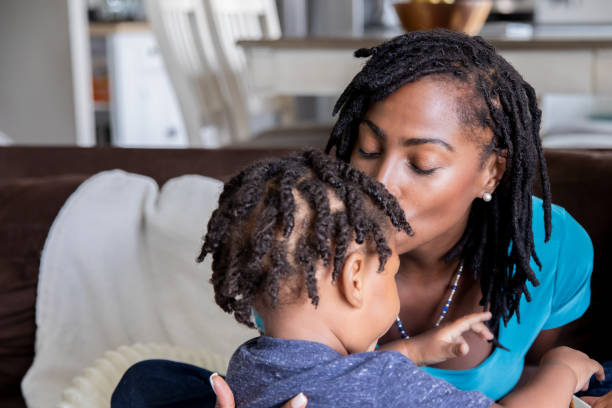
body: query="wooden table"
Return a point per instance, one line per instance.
(323, 66)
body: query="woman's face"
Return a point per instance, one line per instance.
(416, 145)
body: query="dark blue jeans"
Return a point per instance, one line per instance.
(167, 384)
(164, 384)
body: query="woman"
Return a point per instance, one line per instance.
(452, 130)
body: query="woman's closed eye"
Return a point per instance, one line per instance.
(423, 163)
(418, 169)
(423, 171)
(368, 154)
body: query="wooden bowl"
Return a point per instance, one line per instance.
(467, 16)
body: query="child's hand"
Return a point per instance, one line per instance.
(443, 342)
(581, 365)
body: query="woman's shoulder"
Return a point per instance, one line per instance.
(566, 231)
(567, 264)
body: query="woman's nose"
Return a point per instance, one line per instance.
(393, 189)
(387, 176)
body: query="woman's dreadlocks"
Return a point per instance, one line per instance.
(498, 241)
(277, 220)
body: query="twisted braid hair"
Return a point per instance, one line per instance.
(279, 219)
(498, 241)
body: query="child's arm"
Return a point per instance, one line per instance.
(442, 343)
(563, 371)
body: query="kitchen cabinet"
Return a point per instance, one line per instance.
(142, 109)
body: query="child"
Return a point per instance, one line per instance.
(308, 243)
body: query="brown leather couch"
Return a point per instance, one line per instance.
(35, 182)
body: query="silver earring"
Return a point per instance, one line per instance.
(487, 197)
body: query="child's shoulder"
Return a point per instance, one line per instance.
(266, 371)
(307, 354)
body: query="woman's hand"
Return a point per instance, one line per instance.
(225, 397)
(443, 342)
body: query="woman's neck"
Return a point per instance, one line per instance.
(420, 273)
(429, 259)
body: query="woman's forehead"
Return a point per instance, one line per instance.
(428, 108)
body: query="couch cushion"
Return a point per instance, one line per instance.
(160, 164)
(28, 207)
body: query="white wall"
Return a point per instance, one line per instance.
(336, 18)
(37, 86)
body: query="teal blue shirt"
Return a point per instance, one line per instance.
(563, 295)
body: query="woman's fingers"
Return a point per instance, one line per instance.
(225, 397)
(299, 401)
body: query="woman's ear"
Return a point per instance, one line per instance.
(352, 278)
(494, 169)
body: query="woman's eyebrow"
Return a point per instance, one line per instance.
(408, 142)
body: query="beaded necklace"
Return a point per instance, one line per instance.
(400, 324)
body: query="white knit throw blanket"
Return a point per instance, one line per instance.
(118, 267)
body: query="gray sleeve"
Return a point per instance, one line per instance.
(402, 384)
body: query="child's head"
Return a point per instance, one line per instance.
(289, 230)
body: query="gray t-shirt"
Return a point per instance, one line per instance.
(266, 372)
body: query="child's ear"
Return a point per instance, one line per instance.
(351, 280)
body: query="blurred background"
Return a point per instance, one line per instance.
(265, 73)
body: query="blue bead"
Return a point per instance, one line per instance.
(454, 287)
(445, 308)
